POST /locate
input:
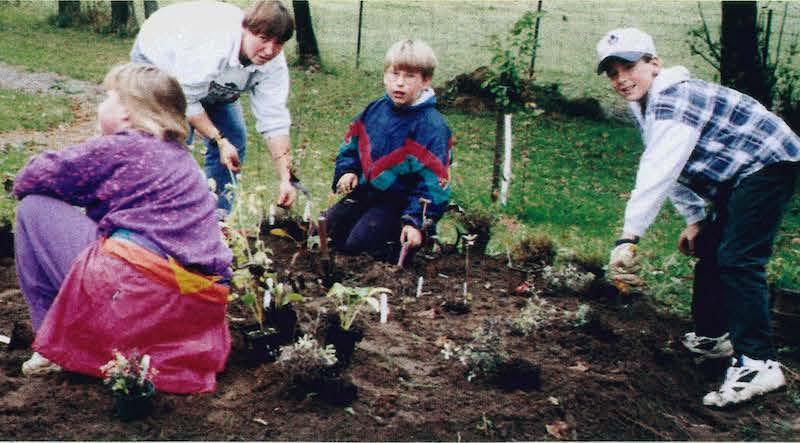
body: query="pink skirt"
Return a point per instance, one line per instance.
(120, 296)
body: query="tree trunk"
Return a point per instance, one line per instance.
(121, 13)
(150, 6)
(307, 49)
(69, 12)
(741, 67)
(498, 153)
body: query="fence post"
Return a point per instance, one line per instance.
(535, 38)
(358, 41)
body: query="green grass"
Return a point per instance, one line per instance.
(32, 111)
(571, 177)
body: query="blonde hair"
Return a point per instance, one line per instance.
(154, 100)
(269, 18)
(412, 55)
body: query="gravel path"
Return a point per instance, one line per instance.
(84, 97)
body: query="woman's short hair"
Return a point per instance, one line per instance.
(154, 99)
(269, 18)
(411, 54)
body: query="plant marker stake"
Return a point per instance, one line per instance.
(307, 212)
(144, 368)
(419, 286)
(506, 177)
(267, 298)
(424, 202)
(384, 308)
(322, 230)
(271, 215)
(402, 257)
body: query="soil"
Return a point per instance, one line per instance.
(621, 375)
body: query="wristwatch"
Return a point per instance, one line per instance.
(217, 139)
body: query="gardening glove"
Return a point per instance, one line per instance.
(623, 268)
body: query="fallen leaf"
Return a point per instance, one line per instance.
(558, 429)
(261, 421)
(553, 400)
(430, 313)
(580, 367)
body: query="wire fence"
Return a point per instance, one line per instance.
(460, 31)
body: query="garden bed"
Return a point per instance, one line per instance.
(616, 372)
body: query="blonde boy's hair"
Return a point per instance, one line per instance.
(153, 98)
(269, 18)
(412, 55)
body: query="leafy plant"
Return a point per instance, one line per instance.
(566, 279)
(253, 282)
(128, 375)
(536, 314)
(350, 301)
(483, 355)
(306, 358)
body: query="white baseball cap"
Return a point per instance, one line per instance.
(629, 44)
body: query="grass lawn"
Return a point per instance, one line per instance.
(37, 112)
(571, 176)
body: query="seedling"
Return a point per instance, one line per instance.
(349, 302)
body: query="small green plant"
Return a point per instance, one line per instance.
(253, 282)
(349, 301)
(128, 375)
(536, 314)
(306, 358)
(483, 355)
(566, 279)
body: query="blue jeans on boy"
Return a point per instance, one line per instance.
(229, 119)
(730, 282)
(369, 222)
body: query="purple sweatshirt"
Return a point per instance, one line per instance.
(135, 181)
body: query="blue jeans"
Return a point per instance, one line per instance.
(229, 119)
(367, 222)
(730, 282)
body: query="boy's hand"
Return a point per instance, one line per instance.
(687, 239)
(411, 236)
(347, 183)
(228, 155)
(623, 268)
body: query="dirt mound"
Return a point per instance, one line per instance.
(466, 92)
(607, 370)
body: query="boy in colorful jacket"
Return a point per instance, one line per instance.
(708, 144)
(394, 163)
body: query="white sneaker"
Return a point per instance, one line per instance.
(708, 347)
(746, 379)
(38, 365)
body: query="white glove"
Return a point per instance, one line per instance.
(623, 266)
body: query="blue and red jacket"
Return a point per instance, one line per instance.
(400, 151)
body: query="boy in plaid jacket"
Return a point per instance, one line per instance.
(729, 166)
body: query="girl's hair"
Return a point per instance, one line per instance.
(154, 99)
(413, 55)
(269, 18)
